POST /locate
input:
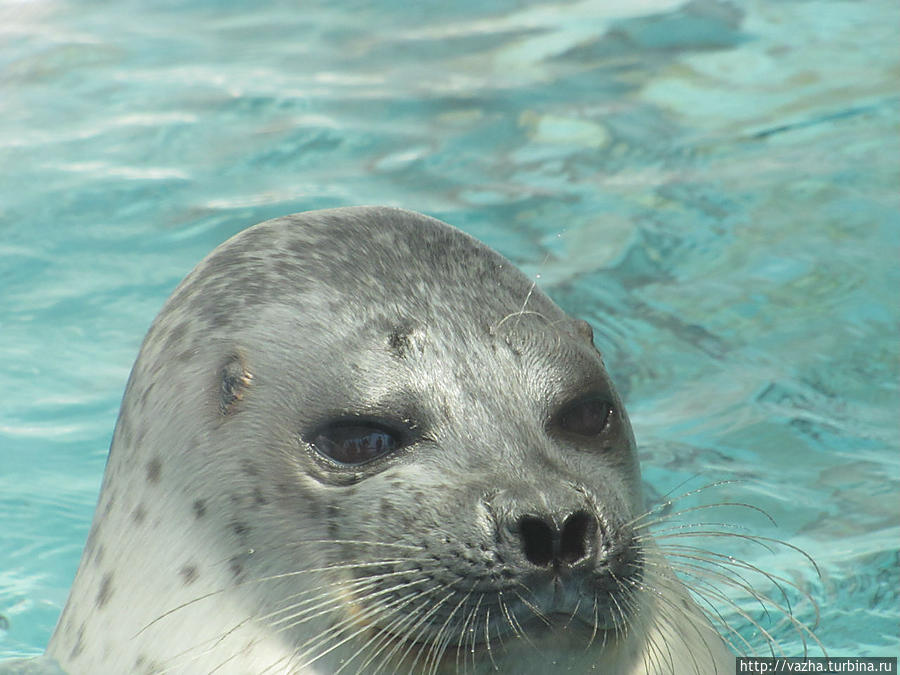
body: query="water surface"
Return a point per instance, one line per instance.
(713, 185)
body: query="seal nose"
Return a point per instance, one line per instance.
(547, 545)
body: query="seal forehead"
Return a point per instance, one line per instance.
(354, 259)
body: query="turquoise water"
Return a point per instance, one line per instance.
(714, 186)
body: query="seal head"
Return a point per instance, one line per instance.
(358, 440)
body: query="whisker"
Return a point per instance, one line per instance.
(510, 619)
(353, 585)
(471, 630)
(366, 614)
(666, 610)
(216, 641)
(803, 631)
(534, 609)
(487, 637)
(335, 567)
(678, 554)
(386, 634)
(702, 507)
(734, 562)
(440, 643)
(361, 542)
(462, 639)
(228, 589)
(753, 538)
(669, 500)
(721, 596)
(424, 623)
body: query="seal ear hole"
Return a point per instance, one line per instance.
(352, 442)
(234, 379)
(585, 417)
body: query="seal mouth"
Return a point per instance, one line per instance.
(576, 606)
(484, 633)
(569, 610)
(574, 613)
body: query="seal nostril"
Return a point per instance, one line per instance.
(579, 528)
(537, 540)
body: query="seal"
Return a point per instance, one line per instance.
(360, 441)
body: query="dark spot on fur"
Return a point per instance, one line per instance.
(234, 379)
(189, 574)
(105, 592)
(300, 247)
(241, 529)
(229, 258)
(139, 514)
(154, 468)
(92, 538)
(98, 556)
(4, 623)
(78, 647)
(176, 335)
(199, 508)
(258, 497)
(249, 468)
(146, 394)
(222, 317)
(235, 565)
(387, 509)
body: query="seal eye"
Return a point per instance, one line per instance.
(355, 443)
(587, 417)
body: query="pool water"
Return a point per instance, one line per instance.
(712, 185)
